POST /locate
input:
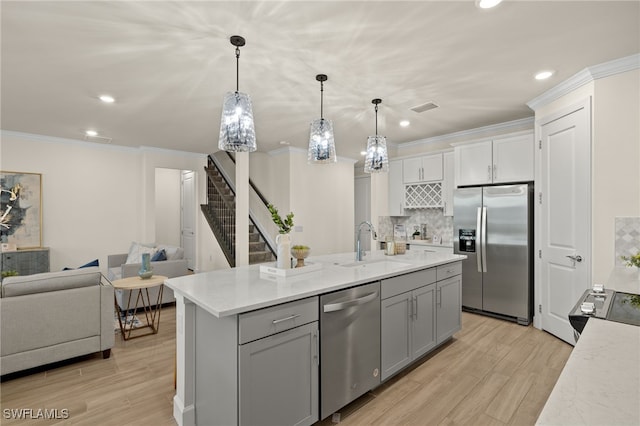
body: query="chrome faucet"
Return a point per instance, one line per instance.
(360, 252)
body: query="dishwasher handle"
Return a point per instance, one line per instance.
(332, 307)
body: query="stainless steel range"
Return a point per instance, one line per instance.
(605, 304)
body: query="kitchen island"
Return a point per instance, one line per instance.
(217, 317)
(600, 384)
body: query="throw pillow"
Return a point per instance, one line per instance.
(159, 256)
(86, 265)
(136, 250)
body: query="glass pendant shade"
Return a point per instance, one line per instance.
(237, 133)
(376, 159)
(322, 147)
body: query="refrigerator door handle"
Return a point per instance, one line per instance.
(483, 239)
(478, 246)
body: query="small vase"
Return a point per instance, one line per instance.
(146, 271)
(283, 242)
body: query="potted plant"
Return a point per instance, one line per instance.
(283, 240)
(633, 260)
(300, 252)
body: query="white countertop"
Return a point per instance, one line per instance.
(232, 291)
(600, 384)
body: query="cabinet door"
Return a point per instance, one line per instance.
(513, 159)
(448, 183)
(448, 307)
(424, 320)
(473, 163)
(278, 378)
(395, 339)
(396, 189)
(412, 170)
(432, 168)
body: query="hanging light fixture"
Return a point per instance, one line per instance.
(376, 159)
(322, 147)
(237, 133)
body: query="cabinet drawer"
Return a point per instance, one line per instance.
(449, 270)
(264, 322)
(403, 283)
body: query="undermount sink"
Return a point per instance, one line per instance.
(376, 264)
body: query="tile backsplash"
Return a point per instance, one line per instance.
(627, 239)
(437, 224)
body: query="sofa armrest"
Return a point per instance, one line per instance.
(168, 268)
(115, 260)
(107, 336)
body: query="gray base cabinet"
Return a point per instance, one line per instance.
(279, 378)
(419, 311)
(448, 308)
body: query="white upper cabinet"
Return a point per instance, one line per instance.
(396, 188)
(422, 169)
(508, 159)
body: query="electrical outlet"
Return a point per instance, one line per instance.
(297, 228)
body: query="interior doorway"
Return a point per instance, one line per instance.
(175, 210)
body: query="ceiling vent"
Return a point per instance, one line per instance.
(97, 139)
(425, 107)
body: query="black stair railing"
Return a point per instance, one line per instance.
(221, 215)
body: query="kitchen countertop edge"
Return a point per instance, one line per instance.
(238, 290)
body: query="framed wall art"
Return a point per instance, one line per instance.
(21, 209)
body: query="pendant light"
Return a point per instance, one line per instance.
(237, 133)
(376, 159)
(322, 147)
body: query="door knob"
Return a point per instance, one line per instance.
(576, 258)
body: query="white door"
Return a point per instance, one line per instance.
(188, 217)
(565, 217)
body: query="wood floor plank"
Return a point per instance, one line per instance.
(491, 373)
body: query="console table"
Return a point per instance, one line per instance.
(26, 261)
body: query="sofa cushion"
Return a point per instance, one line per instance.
(50, 281)
(137, 249)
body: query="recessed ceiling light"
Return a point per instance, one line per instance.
(284, 143)
(363, 152)
(91, 133)
(487, 4)
(543, 75)
(405, 123)
(107, 99)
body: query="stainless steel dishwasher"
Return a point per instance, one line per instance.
(349, 345)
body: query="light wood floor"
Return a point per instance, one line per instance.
(492, 373)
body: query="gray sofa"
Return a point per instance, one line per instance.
(54, 316)
(171, 268)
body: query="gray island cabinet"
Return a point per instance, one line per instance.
(247, 343)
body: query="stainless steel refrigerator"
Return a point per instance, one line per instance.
(493, 227)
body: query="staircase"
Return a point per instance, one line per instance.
(220, 212)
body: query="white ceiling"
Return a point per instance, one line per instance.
(168, 65)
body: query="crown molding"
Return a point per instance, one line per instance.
(96, 145)
(586, 76)
(478, 132)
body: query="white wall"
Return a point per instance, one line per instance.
(99, 198)
(616, 163)
(168, 211)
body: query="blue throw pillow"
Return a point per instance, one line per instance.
(90, 264)
(86, 265)
(159, 256)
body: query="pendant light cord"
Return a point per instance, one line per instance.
(321, 98)
(376, 120)
(237, 69)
